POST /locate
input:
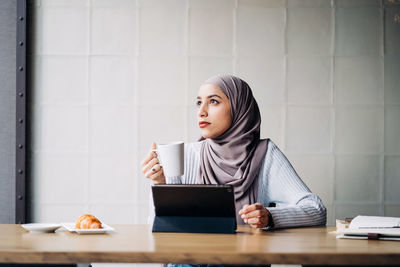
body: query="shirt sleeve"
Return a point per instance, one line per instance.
(295, 204)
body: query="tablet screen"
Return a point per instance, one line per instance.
(194, 200)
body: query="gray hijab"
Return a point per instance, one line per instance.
(235, 157)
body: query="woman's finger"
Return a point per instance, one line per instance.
(150, 155)
(149, 166)
(255, 213)
(153, 170)
(258, 222)
(248, 208)
(243, 209)
(158, 177)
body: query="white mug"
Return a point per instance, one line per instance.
(171, 158)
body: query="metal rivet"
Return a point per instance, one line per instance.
(21, 68)
(20, 171)
(20, 120)
(20, 146)
(21, 94)
(20, 197)
(21, 18)
(21, 43)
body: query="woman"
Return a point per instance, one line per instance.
(268, 191)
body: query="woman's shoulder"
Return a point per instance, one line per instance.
(272, 149)
(270, 144)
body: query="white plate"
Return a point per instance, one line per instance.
(71, 227)
(41, 227)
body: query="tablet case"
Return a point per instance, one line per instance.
(194, 208)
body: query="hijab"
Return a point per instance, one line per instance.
(235, 157)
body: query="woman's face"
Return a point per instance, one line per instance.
(214, 111)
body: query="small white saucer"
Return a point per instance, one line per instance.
(41, 227)
(71, 227)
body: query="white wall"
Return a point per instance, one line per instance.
(111, 76)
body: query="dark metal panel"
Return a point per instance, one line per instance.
(20, 164)
(8, 10)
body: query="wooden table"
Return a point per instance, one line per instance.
(136, 243)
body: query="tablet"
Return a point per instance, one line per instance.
(203, 205)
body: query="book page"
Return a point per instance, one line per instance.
(363, 222)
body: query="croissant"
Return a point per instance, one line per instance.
(88, 221)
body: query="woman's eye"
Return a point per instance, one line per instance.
(198, 103)
(213, 101)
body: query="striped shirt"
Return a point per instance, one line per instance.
(278, 183)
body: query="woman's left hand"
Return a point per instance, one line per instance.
(255, 215)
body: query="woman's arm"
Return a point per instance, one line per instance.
(296, 205)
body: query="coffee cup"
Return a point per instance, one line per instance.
(171, 158)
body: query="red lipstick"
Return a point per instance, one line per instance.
(203, 124)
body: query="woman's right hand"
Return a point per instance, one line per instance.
(151, 167)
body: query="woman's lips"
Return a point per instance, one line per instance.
(203, 124)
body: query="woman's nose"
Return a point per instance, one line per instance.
(202, 112)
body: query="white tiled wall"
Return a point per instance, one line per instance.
(112, 76)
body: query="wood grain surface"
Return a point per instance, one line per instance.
(137, 244)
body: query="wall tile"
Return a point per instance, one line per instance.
(309, 80)
(161, 124)
(358, 80)
(228, 4)
(343, 211)
(357, 3)
(262, 3)
(64, 129)
(392, 31)
(65, 3)
(34, 131)
(35, 77)
(61, 177)
(306, 24)
(143, 215)
(143, 187)
(162, 80)
(392, 130)
(308, 3)
(65, 30)
(266, 36)
(330, 215)
(112, 130)
(319, 178)
(114, 213)
(392, 210)
(113, 31)
(358, 31)
(112, 179)
(357, 178)
(392, 80)
(162, 30)
(194, 132)
(265, 75)
(63, 80)
(161, 3)
(358, 130)
(272, 123)
(114, 3)
(202, 68)
(392, 179)
(308, 129)
(210, 30)
(35, 33)
(111, 87)
(56, 213)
